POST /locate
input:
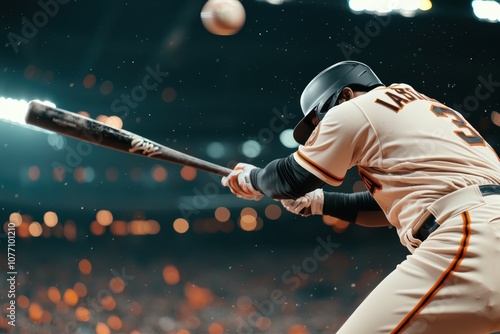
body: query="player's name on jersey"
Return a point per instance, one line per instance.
(400, 96)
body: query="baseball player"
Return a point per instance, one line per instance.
(428, 173)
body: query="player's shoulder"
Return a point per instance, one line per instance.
(393, 86)
(397, 90)
(347, 112)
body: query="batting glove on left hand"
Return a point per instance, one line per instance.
(309, 204)
(239, 182)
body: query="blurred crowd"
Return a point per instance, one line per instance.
(199, 284)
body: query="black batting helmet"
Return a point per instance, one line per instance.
(323, 92)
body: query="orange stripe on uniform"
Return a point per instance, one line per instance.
(427, 298)
(320, 169)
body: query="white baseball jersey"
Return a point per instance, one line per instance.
(410, 150)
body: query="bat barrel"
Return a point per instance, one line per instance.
(98, 133)
(77, 126)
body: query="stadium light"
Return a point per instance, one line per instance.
(406, 8)
(14, 111)
(486, 10)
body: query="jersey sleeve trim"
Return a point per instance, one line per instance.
(322, 173)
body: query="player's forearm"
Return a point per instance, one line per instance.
(284, 178)
(351, 207)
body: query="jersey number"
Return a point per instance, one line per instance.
(466, 132)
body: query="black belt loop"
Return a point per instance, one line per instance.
(489, 189)
(430, 224)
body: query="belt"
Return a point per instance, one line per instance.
(430, 224)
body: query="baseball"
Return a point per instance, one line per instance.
(223, 17)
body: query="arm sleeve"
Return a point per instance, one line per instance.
(346, 206)
(284, 178)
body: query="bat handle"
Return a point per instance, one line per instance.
(215, 169)
(183, 159)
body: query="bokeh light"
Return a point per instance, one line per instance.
(495, 118)
(197, 297)
(112, 174)
(58, 174)
(273, 211)
(102, 328)
(216, 150)
(23, 230)
(70, 297)
(34, 173)
(119, 227)
(79, 174)
(56, 141)
(16, 219)
(50, 218)
(54, 294)
(287, 140)
(35, 229)
(104, 217)
(23, 302)
(70, 231)
(251, 148)
(108, 302)
(216, 328)
(358, 186)
(168, 94)
(96, 228)
(116, 285)
(248, 219)
(114, 322)
(181, 225)
(102, 118)
(222, 214)
(248, 222)
(248, 211)
(425, 5)
(114, 121)
(106, 87)
(35, 312)
(84, 113)
(143, 227)
(82, 314)
(188, 173)
(80, 289)
(338, 225)
(89, 81)
(159, 173)
(298, 329)
(171, 275)
(85, 266)
(263, 323)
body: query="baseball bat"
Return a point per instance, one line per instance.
(98, 133)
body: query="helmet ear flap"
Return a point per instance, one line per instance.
(329, 103)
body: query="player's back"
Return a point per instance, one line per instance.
(425, 150)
